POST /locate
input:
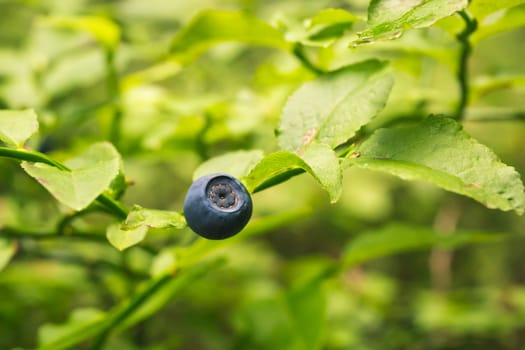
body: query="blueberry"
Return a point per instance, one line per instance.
(217, 206)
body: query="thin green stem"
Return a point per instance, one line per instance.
(128, 309)
(114, 94)
(111, 205)
(464, 54)
(298, 51)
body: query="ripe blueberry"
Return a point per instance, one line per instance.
(217, 206)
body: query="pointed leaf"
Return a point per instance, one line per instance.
(17, 126)
(330, 23)
(511, 19)
(332, 108)
(397, 238)
(123, 239)
(215, 26)
(380, 11)
(238, 164)
(439, 151)
(422, 15)
(90, 174)
(319, 160)
(483, 8)
(139, 216)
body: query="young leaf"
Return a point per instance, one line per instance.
(482, 8)
(215, 26)
(7, 250)
(238, 164)
(439, 151)
(513, 18)
(17, 126)
(396, 238)
(333, 107)
(89, 174)
(123, 239)
(139, 216)
(389, 18)
(330, 23)
(105, 31)
(318, 159)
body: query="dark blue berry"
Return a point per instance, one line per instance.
(217, 206)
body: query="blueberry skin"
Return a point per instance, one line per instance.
(217, 206)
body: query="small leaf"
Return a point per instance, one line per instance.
(105, 31)
(439, 151)
(90, 174)
(238, 164)
(151, 218)
(17, 126)
(123, 239)
(215, 26)
(330, 23)
(319, 160)
(332, 108)
(7, 250)
(511, 19)
(482, 8)
(424, 14)
(396, 238)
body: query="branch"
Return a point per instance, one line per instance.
(464, 54)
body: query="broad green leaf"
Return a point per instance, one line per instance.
(380, 11)
(105, 31)
(422, 15)
(439, 151)
(215, 26)
(89, 174)
(81, 325)
(397, 238)
(123, 239)
(238, 164)
(139, 216)
(17, 126)
(510, 19)
(7, 250)
(481, 8)
(330, 23)
(319, 160)
(332, 108)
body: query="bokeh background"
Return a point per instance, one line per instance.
(268, 293)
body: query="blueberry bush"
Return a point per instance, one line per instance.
(380, 142)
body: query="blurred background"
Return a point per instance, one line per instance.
(268, 293)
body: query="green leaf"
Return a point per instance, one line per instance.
(397, 238)
(238, 164)
(380, 11)
(151, 218)
(330, 23)
(333, 107)
(82, 324)
(7, 250)
(17, 126)
(482, 8)
(319, 160)
(89, 174)
(439, 151)
(511, 19)
(105, 31)
(424, 14)
(215, 26)
(123, 239)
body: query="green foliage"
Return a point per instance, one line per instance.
(438, 150)
(114, 108)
